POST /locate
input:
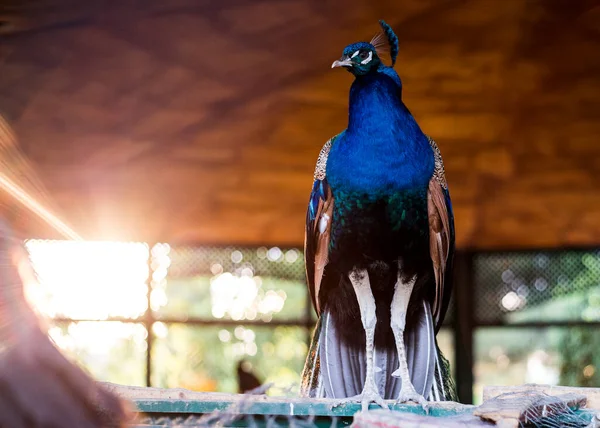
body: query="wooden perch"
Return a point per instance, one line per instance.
(524, 405)
(592, 395)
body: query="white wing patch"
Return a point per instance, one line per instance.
(323, 221)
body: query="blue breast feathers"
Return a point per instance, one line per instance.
(383, 150)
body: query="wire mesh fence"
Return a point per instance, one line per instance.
(284, 263)
(234, 284)
(535, 318)
(203, 306)
(552, 286)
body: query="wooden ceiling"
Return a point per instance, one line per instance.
(200, 121)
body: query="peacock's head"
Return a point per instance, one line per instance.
(362, 57)
(359, 58)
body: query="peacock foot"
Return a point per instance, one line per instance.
(367, 396)
(409, 394)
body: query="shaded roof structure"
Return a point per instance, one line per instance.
(201, 121)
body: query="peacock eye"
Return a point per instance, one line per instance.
(363, 54)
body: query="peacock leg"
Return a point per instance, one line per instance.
(399, 309)
(366, 303)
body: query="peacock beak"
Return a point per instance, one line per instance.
(342, 62)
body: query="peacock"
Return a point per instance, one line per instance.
(379, 245)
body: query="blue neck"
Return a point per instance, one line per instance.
(376, 109)
(383, 147)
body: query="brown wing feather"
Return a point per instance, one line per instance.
(322, 244)
(439, 239)
(316, 241)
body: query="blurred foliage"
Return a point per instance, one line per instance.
(550, 287)
(201, 358)
(255, 284)
(109, 350)
(514, 356)
(514, 287)
(580, 358)
(445, 340)
(205, 358)
(191, 298)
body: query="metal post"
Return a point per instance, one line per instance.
(149, 322)
(464, 325)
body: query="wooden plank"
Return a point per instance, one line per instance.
(516, 408)
(181, 401)
(592, 395)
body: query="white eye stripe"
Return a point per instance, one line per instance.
(355, 53)
(368, 59)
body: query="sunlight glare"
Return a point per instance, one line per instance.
(89, 280)
(32, 204)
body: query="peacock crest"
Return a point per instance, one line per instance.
(386, 41)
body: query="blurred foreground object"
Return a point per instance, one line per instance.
(38, 385)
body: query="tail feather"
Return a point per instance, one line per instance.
(333, 370)
(311, 374)
(343, 369)
(419, 341)
(444, 380)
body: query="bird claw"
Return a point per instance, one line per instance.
(409, 394)
(367, 396)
